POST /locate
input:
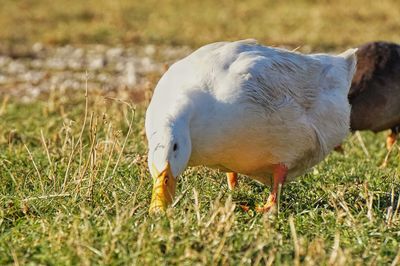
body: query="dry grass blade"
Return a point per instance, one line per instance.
(362, 143)
(295, 241)
(35, 166)
(396, 260)
(335, 249)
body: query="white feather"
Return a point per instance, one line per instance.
(245, 107)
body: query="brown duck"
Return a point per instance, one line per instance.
(375, 90)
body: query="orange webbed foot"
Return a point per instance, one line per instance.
(270, 206)
(279, 174)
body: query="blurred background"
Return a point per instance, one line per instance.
(319, 24)
(124, 44)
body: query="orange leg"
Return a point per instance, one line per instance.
(279, 174)
(232, 180)
(390, 140)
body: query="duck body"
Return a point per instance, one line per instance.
(375, 89)
(249, 107)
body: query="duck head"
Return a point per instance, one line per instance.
(169, 153)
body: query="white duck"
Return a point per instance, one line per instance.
(245, 108)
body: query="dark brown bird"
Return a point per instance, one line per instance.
(375, 90)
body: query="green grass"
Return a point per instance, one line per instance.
(71, 192)
(74, 185)
(322, 25)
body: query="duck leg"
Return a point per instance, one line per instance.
(391, 138)
(232, 180)
(279, 175)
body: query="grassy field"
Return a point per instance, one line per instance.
(315, 24)
(74, 189)
(74, 184)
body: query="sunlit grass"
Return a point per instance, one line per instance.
(76, 190)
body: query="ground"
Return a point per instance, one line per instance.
(74, 184)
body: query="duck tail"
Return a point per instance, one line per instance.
(350, 57)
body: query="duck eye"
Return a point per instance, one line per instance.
(175, 147)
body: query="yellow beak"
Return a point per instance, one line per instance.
(163, 190)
